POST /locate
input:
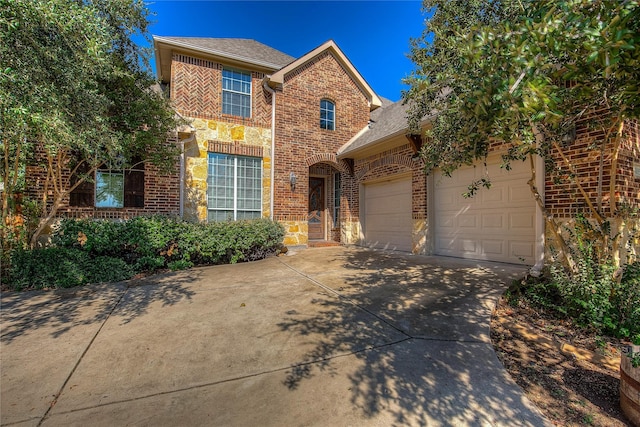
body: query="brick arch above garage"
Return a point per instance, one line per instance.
(384, 165)
(394, 162)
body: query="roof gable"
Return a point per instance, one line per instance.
(277, 78)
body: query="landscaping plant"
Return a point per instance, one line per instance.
(88, 251)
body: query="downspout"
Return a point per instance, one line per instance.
(273, 145)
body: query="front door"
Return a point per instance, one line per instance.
(316, 208)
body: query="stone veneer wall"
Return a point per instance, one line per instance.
(227, 138)
(296, 232)
(628, 230)
(420, 242)
(350, 232)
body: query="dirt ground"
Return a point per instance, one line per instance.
(571, 375)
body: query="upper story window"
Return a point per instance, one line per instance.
(327, 115)
(236, 92)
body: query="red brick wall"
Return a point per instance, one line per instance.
(590, 167)
(196, 91)
(298, 134)
(627, 184)
(161, 194)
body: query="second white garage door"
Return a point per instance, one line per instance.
(387, 214)
(497, 224)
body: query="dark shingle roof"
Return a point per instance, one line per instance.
(388, 120)
(244, 49)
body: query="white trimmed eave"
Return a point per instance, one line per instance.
(163, 49)
(377, 145)
(277, 78)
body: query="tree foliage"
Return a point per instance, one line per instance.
(76, 94)
(524, 72)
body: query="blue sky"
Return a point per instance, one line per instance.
(374, 35)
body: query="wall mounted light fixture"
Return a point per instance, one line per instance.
(292, 180)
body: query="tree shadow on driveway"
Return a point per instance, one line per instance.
(422, 349)
(62, 309)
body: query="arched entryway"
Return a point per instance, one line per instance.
(325, 197)
(323, 202)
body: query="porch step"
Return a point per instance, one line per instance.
(322, 243)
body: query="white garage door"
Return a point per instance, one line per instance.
(387, 214)
(496, 224)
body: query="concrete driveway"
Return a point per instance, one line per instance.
(322, 337)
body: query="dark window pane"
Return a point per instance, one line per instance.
(82, 195)
(134, 189)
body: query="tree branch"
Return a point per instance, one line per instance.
(614, 169)
(586, 197)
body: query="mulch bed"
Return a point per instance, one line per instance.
(571, 375)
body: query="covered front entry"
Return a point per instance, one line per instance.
(497, 224)
(317, 217)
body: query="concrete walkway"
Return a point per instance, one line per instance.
(322, 337)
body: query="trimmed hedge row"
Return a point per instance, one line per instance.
(88, 251)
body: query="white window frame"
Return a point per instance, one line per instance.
(325, 122)
(248, 94)
(235, 209)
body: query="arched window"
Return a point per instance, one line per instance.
(327, 115)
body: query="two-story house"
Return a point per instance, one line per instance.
(266, 131)
(307, 142)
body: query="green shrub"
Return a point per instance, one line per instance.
(542, 292)
(229, 242)
(179, 265)
(97, 237)
(108, 269)
(56, 267)
(149, 263)
(87, 251)
(595, 295)
(586, 293)
(48, 268)
(626, 300)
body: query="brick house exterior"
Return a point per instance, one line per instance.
(307, 142)
(490, 226)
(283, 129)
(158, 192)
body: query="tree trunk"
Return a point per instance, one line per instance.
(549, 219)
(548, 216)
(55, 180)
